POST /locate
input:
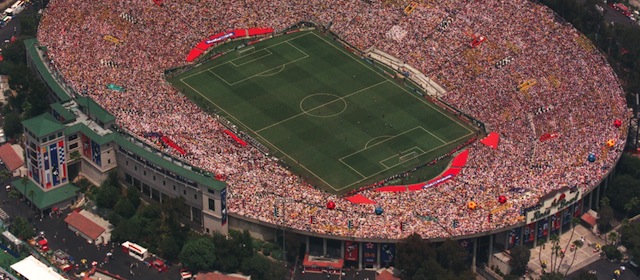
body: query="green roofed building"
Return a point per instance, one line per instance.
(79, 138)
(58, 197)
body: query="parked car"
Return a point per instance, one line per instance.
(159, 265)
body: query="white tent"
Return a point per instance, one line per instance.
(33, 269)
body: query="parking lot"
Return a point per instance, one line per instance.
(59, 236)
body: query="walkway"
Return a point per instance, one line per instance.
(583, 256)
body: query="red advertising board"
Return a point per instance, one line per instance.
(351, 251)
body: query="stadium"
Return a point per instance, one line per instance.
(315, 116)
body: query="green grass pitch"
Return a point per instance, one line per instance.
(333, 118)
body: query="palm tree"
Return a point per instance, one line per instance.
(631, 204)
(574, 222)
(31, 195)
(555, 251)
(13, 194)
(24, 180)
(5, 174)
(578, 244)
(613, 236)
(540, 254)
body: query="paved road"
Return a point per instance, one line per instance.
(60, 237)
(611, 15)
(12, 28)
(604, 270)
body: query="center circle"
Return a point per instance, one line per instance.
(323, 105)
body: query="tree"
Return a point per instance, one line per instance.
(632, 205)
(630, 238)
(605, 215)
(12, 126)
(613, 237)
(411, 253)
(5, 174)
(32, 193)
(131, 229)
(556, 253)
(578, 244)
(574, 221)
(243, 242)
(106, 196)
(22, 229)
(198, 254)
(541, 243)
(14, 194)
(417, 258)
(112, 179)
(124, 208)
(628, 165)
(611, 252)
(256, 266)
(151, 211)
(170, 247)
(114, 218)
(173, 208)
(226, 249)
(451, 255)
(37, 98)
(519, 261)
(623, 194)
(133, 195)
(28, 26)
(23, 181)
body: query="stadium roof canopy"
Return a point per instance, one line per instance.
(60, 93)
(93, 109)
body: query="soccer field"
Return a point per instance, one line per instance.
(332, 117)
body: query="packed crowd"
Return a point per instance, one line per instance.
(572, 77)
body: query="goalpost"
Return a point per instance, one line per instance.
(246, 50)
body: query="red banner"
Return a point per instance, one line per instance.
(548, 136)
(172, 144)
(351, 251)
(259, 31)
(212, 40)
(236, 138)
(86, 146)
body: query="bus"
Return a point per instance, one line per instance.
(15, 9)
